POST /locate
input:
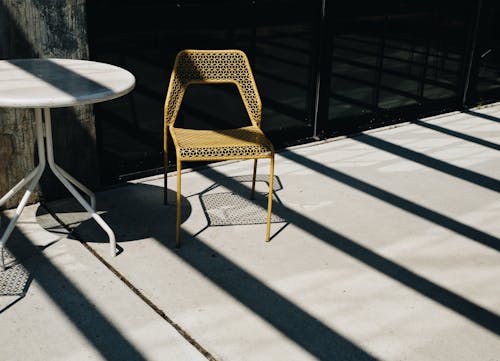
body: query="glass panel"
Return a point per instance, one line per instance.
(393, 60)
(283, 72)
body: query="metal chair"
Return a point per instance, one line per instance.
(208, 67)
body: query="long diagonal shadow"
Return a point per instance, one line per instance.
(64, 79)
(106, 339)
(97, 329)
(397, 201)
(481, 115)
(296, 324)
(446, 298)
(456, 134)
(450, 169)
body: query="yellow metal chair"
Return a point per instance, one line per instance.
(215, 66)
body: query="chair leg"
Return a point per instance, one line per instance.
(165, 182)
(252, 195)
(270, 200)
(165, 167)
(178, 201)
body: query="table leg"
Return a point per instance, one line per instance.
(34, 176)
(66, 180)
(77, 184)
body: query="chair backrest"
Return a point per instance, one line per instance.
(212, 66)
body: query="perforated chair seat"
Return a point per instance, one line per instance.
(240, 143)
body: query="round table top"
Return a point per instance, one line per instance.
(52, 83)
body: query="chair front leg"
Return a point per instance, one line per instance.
(165, 182)
(270, 200)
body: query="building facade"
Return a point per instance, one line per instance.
(322, 69)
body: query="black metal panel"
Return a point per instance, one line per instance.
(390, 61)
(144, 37)
(322, 67)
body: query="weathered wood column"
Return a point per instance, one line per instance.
(45, 28)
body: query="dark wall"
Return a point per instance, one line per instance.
(323, 68)
(144, 37)
(36, 28)
(391, 61)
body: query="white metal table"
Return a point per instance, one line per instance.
(42, 84)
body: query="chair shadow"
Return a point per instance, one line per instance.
(133, 212)
(227, 208)
(136, 212)
(140, 213)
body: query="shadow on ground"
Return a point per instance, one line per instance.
(133, 212)
(72, 302)
(137, 213)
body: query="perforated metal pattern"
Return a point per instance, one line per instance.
(225, 209)
(14, 279)
(212, 66)
(247, 142)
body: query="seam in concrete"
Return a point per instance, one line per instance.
(134, 289)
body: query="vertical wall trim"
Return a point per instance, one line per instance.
(319, 67)
(471, 54)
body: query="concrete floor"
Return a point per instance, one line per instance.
(385, 247)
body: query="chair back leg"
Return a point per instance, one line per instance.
(252, 195)
(178, 202)
(165, 165)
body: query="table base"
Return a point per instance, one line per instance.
(46, 155)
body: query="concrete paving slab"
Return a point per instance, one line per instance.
(66, 305)
(385, 247)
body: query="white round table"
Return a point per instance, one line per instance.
(42, 84)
